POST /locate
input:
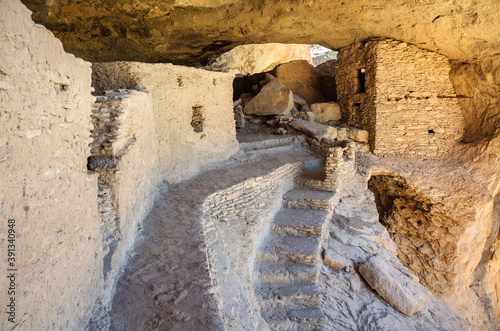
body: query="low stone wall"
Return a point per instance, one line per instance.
(340, 167)
(193, 111)
(234, 221)
(125, 154)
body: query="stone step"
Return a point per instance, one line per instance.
(295, 319)
(271, 274)
(289, 296)
(252, 154)
(299, 222)
(285, 249)
(303, 198)
(314, 166)
(317, 184)
(267, 143)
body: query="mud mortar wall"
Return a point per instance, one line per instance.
(234, 221)
(358, 108)
(418, 114)
(407, 103)
(46, 100)
(125, 133)
(176, 93)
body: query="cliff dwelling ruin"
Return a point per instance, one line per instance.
(188, 165)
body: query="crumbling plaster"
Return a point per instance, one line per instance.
(45, 98)
(175, 90)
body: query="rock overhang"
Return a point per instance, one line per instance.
(190, 32)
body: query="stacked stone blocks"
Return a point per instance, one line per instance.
(407, 102)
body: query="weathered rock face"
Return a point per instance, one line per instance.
(436, 243)
(478, 84)
(301, 78)
(185, 31)
(252, 59)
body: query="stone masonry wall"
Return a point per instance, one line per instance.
(418, 114)
(339, 169)
(45, 107)
(235, 220)
(408, 104)
(357, 102)
(176, 91)
(125, 154)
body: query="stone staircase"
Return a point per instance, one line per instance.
(255, 149)
(288, 260)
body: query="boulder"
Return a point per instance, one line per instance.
(315, 130)
(298, 100)
(301, 78)
(273, 99)
(309, 93)
(393, 286)
(324, 112)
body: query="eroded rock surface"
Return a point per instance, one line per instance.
(349, 303)
(252, 59)
(189, 31)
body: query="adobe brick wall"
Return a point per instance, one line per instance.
(46, 100)
(175, 90)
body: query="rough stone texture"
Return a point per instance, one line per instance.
(397, 289)
(478, 83)
(175, 92)
(425, 220)
(402, 95)
(252, 59)
(301, 78)
(326, 73)
(349, 303)
(324, 112)
(45, 112)
(273, 99)
(433, 229)
(187, 31)
(339, 168)
(124, 129)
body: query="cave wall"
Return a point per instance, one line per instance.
(404, 98)
(478, 82)
(45, 98)
(177, 94)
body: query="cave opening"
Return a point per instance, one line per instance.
(310, 79)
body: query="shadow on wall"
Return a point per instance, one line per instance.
(478, 84)
(121, 78)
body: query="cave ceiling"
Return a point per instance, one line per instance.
(191, 32)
